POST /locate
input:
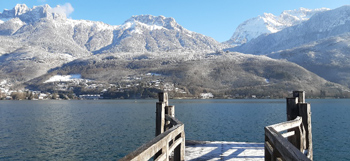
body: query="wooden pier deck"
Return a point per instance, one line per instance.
(290, 140)
(223, 150)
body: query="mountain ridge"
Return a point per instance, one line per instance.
(269, 23)
(323, 25)
(38, 42)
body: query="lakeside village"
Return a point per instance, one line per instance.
(68, 87)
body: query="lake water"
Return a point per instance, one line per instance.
(110, 129)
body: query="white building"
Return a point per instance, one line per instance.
(207, 95)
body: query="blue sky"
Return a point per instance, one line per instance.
(217, 19)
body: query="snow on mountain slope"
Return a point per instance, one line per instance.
(322, 25)
(139, 33)
(269, 23)
(26, 34)
(157, 33)
(328, 58)
(320, 44)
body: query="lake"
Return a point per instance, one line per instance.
(110, 129)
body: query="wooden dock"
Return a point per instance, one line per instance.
(223, 150)
(290, 140)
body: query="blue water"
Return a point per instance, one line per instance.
(110, 129)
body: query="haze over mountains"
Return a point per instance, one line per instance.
(36, 43)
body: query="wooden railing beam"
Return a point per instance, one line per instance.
(282, 146)
(292, 144)
(287, 125)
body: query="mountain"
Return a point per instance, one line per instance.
(137, 34)
(320, 44)
(145, 52)
(223, 74)
(268, 23)
(328, 58)
(323, 25)
(38, 39)
(149, 33)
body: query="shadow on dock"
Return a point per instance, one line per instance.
(223, 150)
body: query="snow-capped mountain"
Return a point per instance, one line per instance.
(320, 44)
(38, 42)
(269, 23)
(322, 25)
(39, 38)
(328, 58)
(29, 15)
(157, 33)
(139, 33)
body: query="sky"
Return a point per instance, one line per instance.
(217, 19)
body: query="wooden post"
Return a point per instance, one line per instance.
(300, 95)
(169, 110)
(268, 147)
(292, 113)
(305, 113)
(296, 106)
(179, 151)
(183, 146)
(160, 117)
(292, 108)
(163, 97)
(160, 112)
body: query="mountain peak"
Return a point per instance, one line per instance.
(167, 22)
(29, 15)
(269, 23)
(20, 9)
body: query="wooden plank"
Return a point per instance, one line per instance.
(161, 157)
(172, 120)
(174, 145)
(288, 134)
(268, 147)
(287, 125)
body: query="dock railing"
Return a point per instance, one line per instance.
(291, 140)
(169, 142)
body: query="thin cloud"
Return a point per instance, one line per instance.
(64, 9)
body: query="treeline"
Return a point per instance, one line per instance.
(36, 96)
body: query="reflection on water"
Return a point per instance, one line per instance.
(73, 130)
(109, 129)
